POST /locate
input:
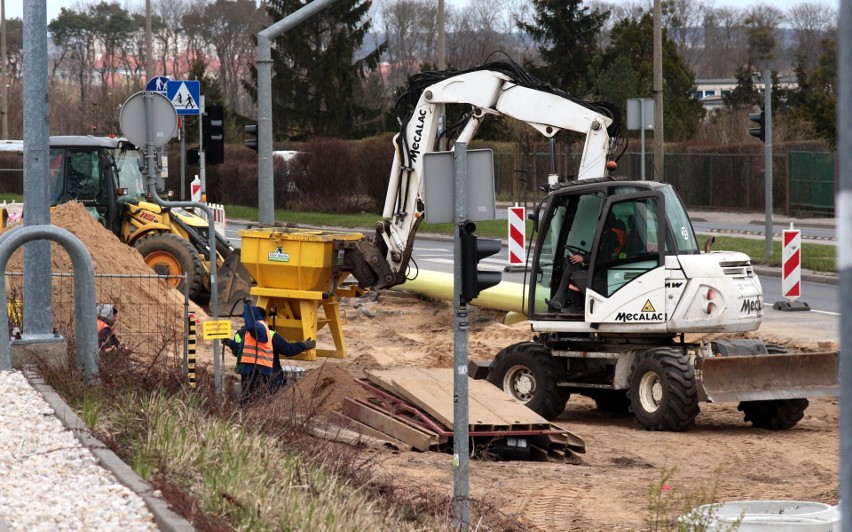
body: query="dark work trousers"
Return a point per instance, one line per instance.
(250, 384)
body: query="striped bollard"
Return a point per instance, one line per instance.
(190, 349)
(791, 271)
(517, 239)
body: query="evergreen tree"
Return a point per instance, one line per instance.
(626, 71)
(567, 34)
(816, 99)
(316, 76)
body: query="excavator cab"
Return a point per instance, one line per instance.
(623, 234)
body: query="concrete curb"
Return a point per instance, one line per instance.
(165, 518)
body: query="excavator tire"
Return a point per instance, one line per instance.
(169, 254)
(777, 414)
(528, 372)
(663, 391)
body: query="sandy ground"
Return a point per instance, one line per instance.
(609, 489)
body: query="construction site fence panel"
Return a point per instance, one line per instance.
(151, 313)
(803, 183)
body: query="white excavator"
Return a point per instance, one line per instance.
(611, 324)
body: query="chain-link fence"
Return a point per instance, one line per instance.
(802, 184)
(150, 319)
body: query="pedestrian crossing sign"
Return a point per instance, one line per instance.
(184, 95)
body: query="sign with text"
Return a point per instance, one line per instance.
(216, 329)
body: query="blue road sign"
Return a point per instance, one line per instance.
(184, 95)
(157, 84)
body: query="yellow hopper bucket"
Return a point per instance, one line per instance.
(297, 271)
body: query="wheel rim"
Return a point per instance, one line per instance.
(164, 263)
(650, 392)
(520, 383)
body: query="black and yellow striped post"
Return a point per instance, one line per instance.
(190, 350)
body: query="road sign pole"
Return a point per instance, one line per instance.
(182, 158)
(461, 443)
(201, 170)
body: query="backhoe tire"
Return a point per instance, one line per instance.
(529, 373)
(663, 391)
(169, 254)
(776, 414)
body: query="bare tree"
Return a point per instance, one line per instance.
(762, 22)
(683, 21)
(482, 28)
(810, 22)
(724, 35)
(170, 13)
(410, 28)
(229, 27)
(618, 11)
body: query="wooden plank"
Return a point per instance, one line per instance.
(431, 389)
(368, 432)
(420, 439)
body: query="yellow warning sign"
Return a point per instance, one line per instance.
(213, 329)
(648, 307)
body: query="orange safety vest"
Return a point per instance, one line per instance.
(621, 236)
(258, 353)
(101, 325)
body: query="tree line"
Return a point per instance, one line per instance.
(339, 73)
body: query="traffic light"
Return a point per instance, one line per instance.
(192, 157)
(474, 249)
(213, 134)
(760, 130)
(251, 131)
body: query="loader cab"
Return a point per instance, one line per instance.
(82, 169)
(623, 230)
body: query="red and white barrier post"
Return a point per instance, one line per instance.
(517, 238)
(791, 271)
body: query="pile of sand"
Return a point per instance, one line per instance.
(150, 311)
(321, 392)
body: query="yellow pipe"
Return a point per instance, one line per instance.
(505, 296)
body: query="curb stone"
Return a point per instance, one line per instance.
(165, 518)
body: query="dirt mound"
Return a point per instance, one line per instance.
(150, 311)
(321, 392)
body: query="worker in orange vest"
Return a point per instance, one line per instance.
(107, 340)
(259, 350)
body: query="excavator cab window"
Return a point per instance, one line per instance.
(87, 173)
(629, 242)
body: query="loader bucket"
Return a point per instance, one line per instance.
(767, 377)
(234, 284)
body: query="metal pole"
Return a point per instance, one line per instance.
(844, 255)
(265, 185)
(442, 37)
(202, 160)
(767, 155)
(151, 170)
(4, 72)
(642, 137)
(659, 137)
(461, 446)
(182, 158)
(38, 297)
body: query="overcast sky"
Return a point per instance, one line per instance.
(15, 8)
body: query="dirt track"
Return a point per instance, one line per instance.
(609, 490)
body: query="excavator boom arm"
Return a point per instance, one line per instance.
(503, 90)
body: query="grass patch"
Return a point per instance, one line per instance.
(254, 468)
(816, 257)
(671, 509)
